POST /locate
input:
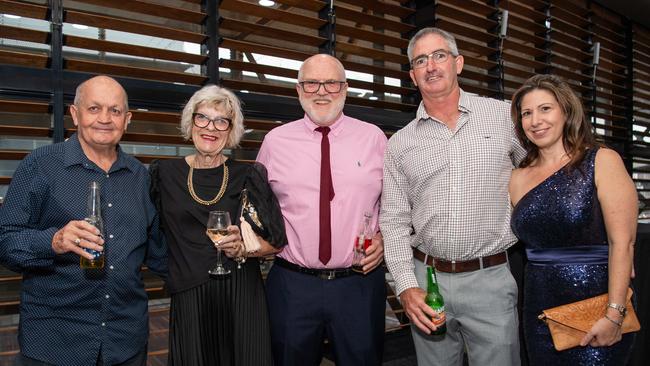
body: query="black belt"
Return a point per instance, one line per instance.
(325, 274)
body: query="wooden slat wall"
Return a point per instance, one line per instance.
(168, 23)
(613, 89)
(471, 24)
(543, 36)
(641, 111)
(179, 21)
(366, 41)
(33, 57)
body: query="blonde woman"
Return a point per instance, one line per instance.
(214, 321)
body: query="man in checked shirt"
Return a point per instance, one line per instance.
(445, 203)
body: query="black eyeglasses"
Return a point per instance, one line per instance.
(438, 57)
(200, 120)
(331, 86)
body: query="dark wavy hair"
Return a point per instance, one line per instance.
(577, 135)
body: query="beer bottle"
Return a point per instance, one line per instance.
(436, 302)
(94, 217)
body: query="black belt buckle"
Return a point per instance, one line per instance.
(327, 274)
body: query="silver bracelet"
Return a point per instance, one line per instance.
(620, 324)
(620, 308)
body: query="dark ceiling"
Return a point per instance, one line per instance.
(637, 10)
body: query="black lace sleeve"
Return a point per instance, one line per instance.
(267, 207)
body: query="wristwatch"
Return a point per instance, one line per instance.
(621, 308)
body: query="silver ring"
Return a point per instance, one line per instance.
(77, 241)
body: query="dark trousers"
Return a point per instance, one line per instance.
(517, 260)
(140, 359)
(304, 309)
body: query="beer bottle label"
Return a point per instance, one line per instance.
(440, 318)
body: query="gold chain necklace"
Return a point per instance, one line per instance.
(222, 190)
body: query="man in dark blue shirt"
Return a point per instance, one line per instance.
(69, 315)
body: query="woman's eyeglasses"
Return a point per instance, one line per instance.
(200, 120)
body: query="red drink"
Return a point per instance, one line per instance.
(366, 243)
(362, 242)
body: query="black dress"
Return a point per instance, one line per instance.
(562, 227)
(212, 321)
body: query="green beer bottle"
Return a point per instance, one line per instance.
(436, 302)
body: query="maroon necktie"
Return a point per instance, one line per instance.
(326, 195)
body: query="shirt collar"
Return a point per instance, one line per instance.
(464, 106)
(335, 128)
(74, 155)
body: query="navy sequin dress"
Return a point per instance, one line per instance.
(561, 225)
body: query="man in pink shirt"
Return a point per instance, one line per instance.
(326, 171)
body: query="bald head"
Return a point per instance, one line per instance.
(322, 61)
(101, 81)
(101, 116)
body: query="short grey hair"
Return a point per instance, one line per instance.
(80, 89)
(217, 97)
(448, 37)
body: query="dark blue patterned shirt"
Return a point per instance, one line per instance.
(67, 315)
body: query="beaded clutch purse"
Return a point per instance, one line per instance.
(249, 215)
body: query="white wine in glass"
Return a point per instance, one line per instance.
(217, 229)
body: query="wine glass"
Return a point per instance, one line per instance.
(362, 242)
(240, 260)
(216, 229)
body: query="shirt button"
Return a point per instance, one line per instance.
(453, 215)
(453, 189)
(111, 267)
(110, 205)
(110, 236)
(103, 324)
(107, 175)
(107, 296)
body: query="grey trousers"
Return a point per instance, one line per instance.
(482, 320)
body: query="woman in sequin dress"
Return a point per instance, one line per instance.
(575, 209)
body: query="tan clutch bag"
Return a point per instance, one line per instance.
(570, 323)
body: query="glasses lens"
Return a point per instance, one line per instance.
(221, 124)
(420, 62)
(310, 86)
(314, 86)
(200, 120)
(440, 57)
(333, 86)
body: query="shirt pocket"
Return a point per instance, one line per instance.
(487, 152)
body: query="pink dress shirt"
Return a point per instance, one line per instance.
(291, 154)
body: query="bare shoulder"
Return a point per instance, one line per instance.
(608, 162)
(610, 170)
